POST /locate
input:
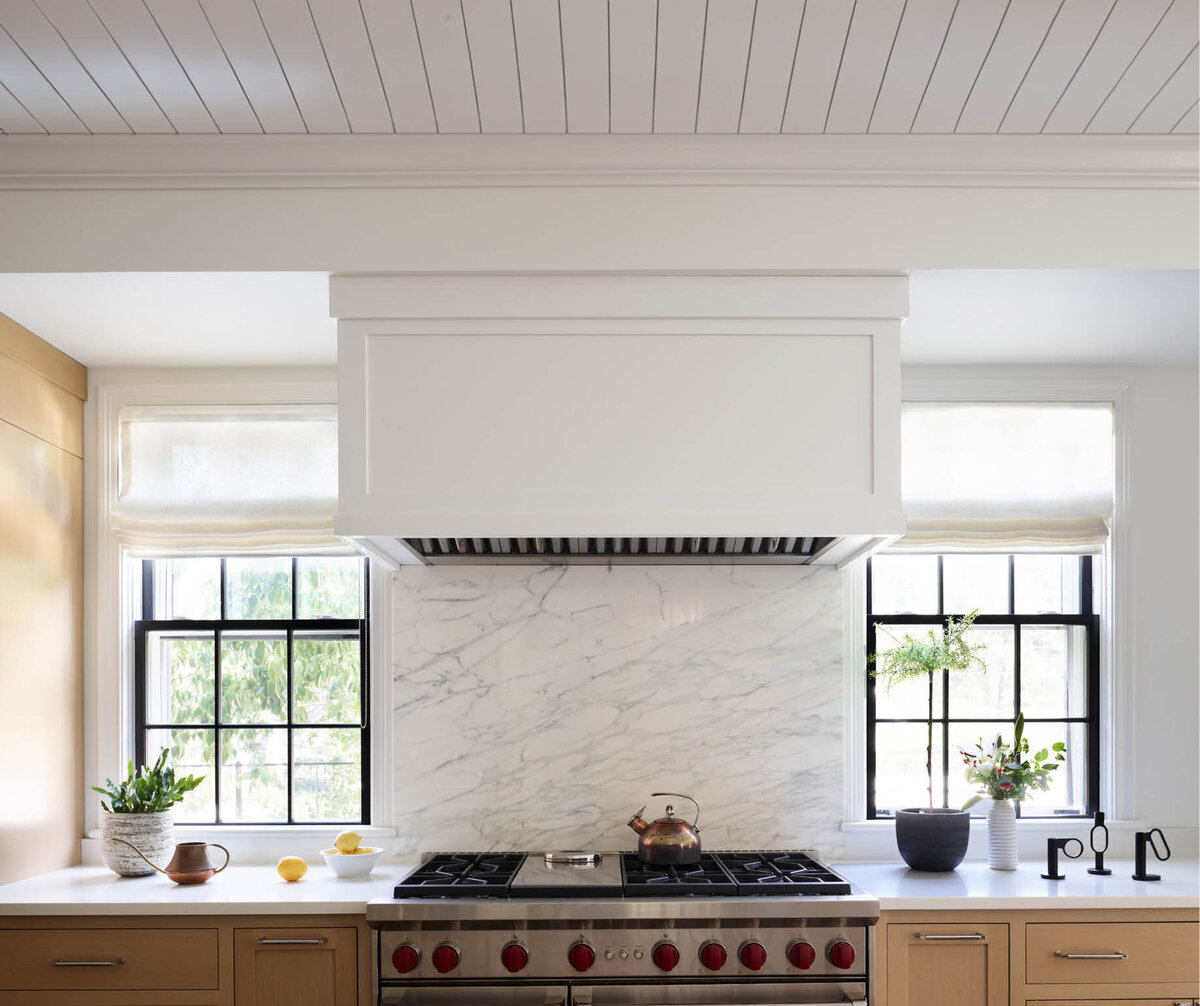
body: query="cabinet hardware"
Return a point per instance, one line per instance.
(60, 963)
(949, 936)
(275, 943)
(1116, 955)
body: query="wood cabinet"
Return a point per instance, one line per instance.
(178, 960)
(1127, 958)
(295, 967)
(933, 963)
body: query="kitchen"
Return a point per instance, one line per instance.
(494, 281)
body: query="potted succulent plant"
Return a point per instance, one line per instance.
(1007, 773)
(138, 811)
(930, 838)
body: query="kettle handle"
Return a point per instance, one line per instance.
(684, 796)
(140, 853)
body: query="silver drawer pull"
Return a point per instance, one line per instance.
(60, 963)
(949, 936)
(276, 943)
(1116, 955)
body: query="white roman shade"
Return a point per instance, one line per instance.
(1007, 475)
(227, 478)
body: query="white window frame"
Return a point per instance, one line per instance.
(872, 839)
(112, 588)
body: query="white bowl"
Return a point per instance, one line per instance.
(347, 867)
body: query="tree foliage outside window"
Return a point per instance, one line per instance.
(267, 701)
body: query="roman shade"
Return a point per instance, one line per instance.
(228, 478)
(1007, 475)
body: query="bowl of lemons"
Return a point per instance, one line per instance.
(349, 858)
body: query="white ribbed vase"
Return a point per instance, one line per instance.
(1002, 836)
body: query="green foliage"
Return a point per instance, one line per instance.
(149, 790)
(940, 650)
(1005, 771)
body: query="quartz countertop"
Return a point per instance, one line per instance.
(898, 888)
(258, 890)
(240, 890)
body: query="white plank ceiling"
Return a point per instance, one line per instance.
(599, 66)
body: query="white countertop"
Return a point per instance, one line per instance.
(899, 888)
(240, 890)
(258, 890)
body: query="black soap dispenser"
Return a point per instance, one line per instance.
(1099, 827)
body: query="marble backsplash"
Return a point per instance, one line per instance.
(539, 706)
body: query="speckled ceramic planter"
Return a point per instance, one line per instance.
(152, 833)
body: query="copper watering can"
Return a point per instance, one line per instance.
(189, 865)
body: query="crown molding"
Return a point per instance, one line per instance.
(374, 161)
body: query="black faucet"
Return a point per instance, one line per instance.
(1140, 840)
(1052, 847)
(1099, 869)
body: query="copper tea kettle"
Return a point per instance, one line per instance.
(669, 841)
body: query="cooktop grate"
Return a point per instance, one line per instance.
(462, 875)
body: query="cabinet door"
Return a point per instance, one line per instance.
(295, 967)
(955, 964)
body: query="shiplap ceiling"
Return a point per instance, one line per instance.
(599, 66)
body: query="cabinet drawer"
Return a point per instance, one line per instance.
(1154, 952)
(97, 959)
(1110, 1002)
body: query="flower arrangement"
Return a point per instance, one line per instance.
(1005, 771)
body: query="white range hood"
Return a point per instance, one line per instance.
(665, 418)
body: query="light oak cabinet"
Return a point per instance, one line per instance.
(931, 963)
(295, 967)
(1038, 958)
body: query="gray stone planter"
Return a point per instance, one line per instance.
(152, 833)
(933, 840)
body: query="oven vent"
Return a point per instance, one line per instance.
(534, 551)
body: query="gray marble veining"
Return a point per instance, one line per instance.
(539, 706)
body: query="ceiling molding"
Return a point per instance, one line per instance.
(358, 161)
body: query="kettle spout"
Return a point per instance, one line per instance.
(637, 823)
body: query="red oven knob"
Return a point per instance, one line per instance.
(712, 956)
(666, 956)
(514, 957)
(753, 955)
(581, 956)
(802, 955)
(445, 958)
(405, 958)
(841, 955)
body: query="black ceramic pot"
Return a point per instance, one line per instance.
(933, 840)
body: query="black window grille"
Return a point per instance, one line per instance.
(265, 694)
(896, 728)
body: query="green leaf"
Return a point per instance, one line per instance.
(972, 801)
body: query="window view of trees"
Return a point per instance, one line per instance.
(250, 669)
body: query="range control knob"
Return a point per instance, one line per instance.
(841, 955)
(802, 955)
(753, 955)
(712, 956)
(666, 956)
(445, 958)
(514, 957)
(405, 958)
(581, 956)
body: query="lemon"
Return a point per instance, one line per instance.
(347, 842)
(291, 868)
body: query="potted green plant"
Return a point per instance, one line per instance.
(138, 811)
(930, 838)
(1006, 774)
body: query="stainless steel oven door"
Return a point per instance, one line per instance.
(469, 995)
(808, 994)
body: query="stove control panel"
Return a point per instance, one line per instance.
(773, 948)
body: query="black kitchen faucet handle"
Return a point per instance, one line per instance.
(1163, 856)
(1099, 869)
(1053, 847)
(1140, 840)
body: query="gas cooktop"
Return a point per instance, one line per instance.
(615, 875)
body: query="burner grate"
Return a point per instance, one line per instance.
(780, 874)
(642, 880)
(462, 875)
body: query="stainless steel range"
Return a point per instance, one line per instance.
(581, 929)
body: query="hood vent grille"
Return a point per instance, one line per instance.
(532, 551)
